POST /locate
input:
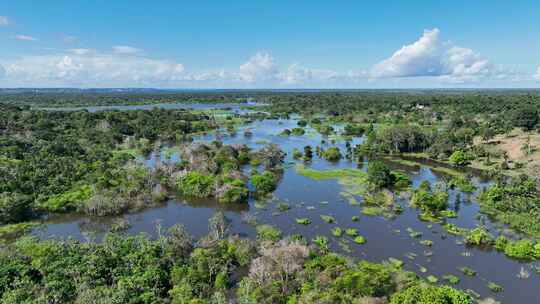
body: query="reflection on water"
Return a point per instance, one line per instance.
(308, 198)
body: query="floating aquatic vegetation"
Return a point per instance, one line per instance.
(268, 233)
(354, 181)
(283, 207)
(321, 241)
(303, 221)
(449, 213)
(397, 263)
(337, 232)
(352, 232)
(432, 279)
(495, 287)
(372, 211)
(355, 218)
(360, 240)
(452, 279)
(414, 234)
(478, 237)
(428, 243)
(327, 218)
(453, 229)
(468, 271)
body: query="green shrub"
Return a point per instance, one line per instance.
(234, 191)
(522, 250)
(195, 184)
(332, 154)
(263, 183)
(478, 237)
(459, 158)
(431, 295)
(268, 233)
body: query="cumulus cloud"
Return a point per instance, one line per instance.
(259, 67)
(25, 38)
(429, 56)
(537, 75)
(4, 21)
(81, 67)
(2, 71)
(126, 50)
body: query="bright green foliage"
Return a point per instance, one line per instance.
(360, 240)
(233, 191)
(431, 295)
(430, 201)
(468, 271)
(515, 204)
(351, 232)
(327, 218)
(332, 154)
(452, 279)
(297, 154)
(336, 231)
(321, 241)
(195, 184)
(478, 237)
(459, 158)
(522, 249)
(495, 287)
(268, 233)
(303, 221)
(68, 200)
(263, 183)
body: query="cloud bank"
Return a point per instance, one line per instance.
(430, 59)
(83, 67)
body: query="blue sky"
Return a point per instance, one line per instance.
(269, 44)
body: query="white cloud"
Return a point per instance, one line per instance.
(25, 38)
(537, 76)
(259, 67)
(125, 50)
(4, 21)
(429, 57)
(86, 68)
(2, 71)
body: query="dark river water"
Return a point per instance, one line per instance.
(385, 238)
